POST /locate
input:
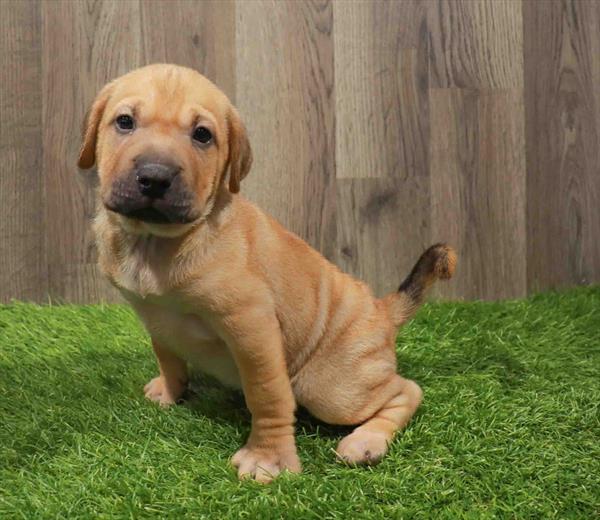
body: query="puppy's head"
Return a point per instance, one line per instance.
(164, 138)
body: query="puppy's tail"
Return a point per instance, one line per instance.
(436, 263)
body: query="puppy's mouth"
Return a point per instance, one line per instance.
(149, 214)
(152, 213)
(171, 209)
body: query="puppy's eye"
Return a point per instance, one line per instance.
(124, 123)
(202, 135)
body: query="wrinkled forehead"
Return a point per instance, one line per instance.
(168, 98)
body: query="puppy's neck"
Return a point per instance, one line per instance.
(146, 263)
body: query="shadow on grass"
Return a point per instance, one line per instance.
(64, 385)
(208, 397)
(94, 375)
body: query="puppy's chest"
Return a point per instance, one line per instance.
(143, 276)
(142, 269)
(188, 336)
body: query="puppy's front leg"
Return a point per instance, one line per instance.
(168, 387)
(256, 345)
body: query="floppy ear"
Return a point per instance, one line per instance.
(87, 154)
(240, 153)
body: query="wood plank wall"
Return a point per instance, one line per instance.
(378, 127)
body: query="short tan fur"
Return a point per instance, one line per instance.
(231, 292)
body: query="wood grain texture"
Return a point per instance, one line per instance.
(85, 44)
(380, 89)
(562, 89)
(23, 266)
(478, 189)
(195, 34)
(382, 139)
(380, 230)
(476, 43)
(378, 127)
(284, 71)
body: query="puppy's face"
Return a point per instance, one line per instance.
(163, 138)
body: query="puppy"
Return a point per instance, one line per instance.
(223, 287)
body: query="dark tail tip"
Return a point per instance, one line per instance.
(437, 262)
(445, 261)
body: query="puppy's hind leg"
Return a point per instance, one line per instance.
(368, 443)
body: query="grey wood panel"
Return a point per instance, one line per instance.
(478, 189)
(381, 232)
(382, 139)
(85, 44)
(381, 82)
(476, 43)
(378, 128)
(195, 34)
(23, 268)
(284, 76)
(562, 89)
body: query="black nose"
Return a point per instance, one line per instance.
(154, 179)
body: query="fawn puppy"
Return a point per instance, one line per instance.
(221, 286)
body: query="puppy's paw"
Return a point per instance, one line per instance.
(264, 464)
(166, 395)
(362, 447)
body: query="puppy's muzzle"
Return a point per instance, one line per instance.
(154, 179)
(152, 191)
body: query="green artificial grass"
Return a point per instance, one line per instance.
(509, 427)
